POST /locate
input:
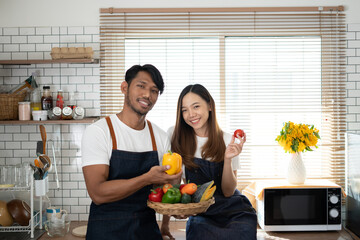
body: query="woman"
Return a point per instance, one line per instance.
(207, 154)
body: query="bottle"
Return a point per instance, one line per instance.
(60, 99)
(46, 100)
(35, 95)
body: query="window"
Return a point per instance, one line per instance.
(263, 68)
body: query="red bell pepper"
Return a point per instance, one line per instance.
(156, 195)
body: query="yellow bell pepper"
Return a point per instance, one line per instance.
(174, 160)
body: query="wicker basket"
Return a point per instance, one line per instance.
(181, 208)
(71, 52)
(9, 107)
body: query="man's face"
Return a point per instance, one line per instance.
(142, 94)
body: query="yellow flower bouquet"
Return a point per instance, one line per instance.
(296, 137)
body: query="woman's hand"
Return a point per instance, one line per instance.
(165, 232)
(234, 149)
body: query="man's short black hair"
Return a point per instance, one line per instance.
(153, 71)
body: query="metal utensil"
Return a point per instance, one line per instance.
(46, 162)
(43, 137)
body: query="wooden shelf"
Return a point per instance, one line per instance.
(81, 121)
(47, 61)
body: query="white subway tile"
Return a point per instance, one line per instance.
(12, 145)
(96, 71)
(92, 79)
(63, 30)
(18, 39)
(11, 31)
(36, 55)
(84, 201)
(353, 126)
(85, 104)
(350, 68)
(35, 137)
(68, 153)
(353, 27)
(92, 96)
(91, 30)
(84, 71)
(28, 129)
(2, 129)
(12, 129)
(353, 77)
(70, 169)
(12, 80)
(350, 85)
(75, 30)
(1, 31)
(71, 185)
(43, 31)
(92, 112)
(350, 35)
(78, 209)
(18, 56)
(95, 46)
(19, 72)
(43, 47)
(5, 72)
(78, 193)
(350, 117)
(5, 56)
(52, 72)
(28, 145)
(83, 38)
(82, 185)
(11, 47)
(76, 45)
(5, 39)
(27, 47)
(21, 137)
(27, 31)
(354, 93)
(35, 39)
(358, 86)
(353, 109)
(353, 43)
(358, 103)
(76, 79)
(71, 201)
(47, 55)
(67, 38)
(51, 39)
(95, 38)
(350, 52)
(55, 30)
(68, 71)
(21, 153)
(6, 153)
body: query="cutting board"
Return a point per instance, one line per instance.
(79, 231)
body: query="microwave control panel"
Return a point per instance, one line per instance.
(334, 205)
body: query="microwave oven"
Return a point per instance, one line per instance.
(300, 209)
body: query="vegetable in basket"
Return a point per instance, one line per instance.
(189, 188)
(185, 198)
(204, 192)
(156, 195)
(172, 195)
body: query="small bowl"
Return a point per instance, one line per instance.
(20, 211)
(5, 217)
(39, 115)
(58, 228)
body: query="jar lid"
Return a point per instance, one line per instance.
(60, 90)
(23, 103)
(79, 111)
(56, 111)
(67, 111)
(46, 87)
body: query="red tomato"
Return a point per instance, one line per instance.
(239, 132)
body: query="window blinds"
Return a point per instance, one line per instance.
(263, 66)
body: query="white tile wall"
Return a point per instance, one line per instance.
(18, 142)
(353, 78)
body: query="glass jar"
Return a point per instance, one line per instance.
(66, 113)
(24, 111)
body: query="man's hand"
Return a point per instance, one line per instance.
(158, 176)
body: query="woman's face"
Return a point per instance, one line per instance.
(195, 112)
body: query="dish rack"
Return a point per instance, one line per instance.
(35, 220)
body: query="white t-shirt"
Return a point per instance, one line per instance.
(201, 142)
(96, 145)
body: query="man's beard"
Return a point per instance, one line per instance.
(137, 111)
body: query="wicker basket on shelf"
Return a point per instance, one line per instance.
(9, 107)
(181, 208)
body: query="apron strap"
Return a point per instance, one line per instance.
(152, 136)
(112, 133)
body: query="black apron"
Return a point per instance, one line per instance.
(128, 218)
(229, 217)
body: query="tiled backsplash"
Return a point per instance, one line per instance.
(18, 142)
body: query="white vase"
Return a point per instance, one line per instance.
(296, 169)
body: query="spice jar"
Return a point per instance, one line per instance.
(24, 111)
(55, 113)
(78, 113)
(66, 113)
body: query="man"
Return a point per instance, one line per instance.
(120, 158)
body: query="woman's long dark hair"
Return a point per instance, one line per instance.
(183, 140)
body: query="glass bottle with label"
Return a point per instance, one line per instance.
(60, 99)
(46, 100)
